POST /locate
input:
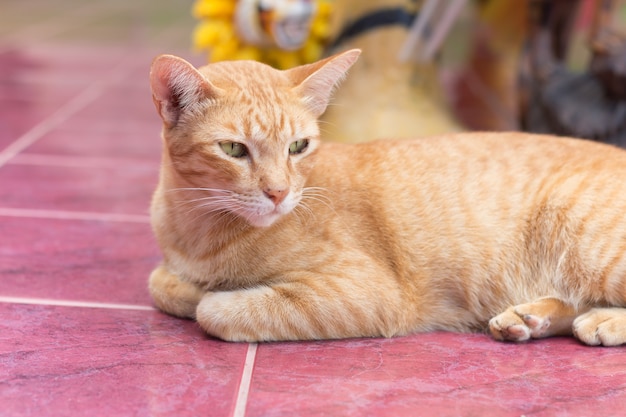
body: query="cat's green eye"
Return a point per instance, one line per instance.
(298, 146)
(234, 149)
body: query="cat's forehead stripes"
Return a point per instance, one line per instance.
(258, 122)
(266, 107)
(243, 75)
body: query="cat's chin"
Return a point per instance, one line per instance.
(264, 221)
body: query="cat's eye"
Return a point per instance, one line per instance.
(298, 146)
(234, 149)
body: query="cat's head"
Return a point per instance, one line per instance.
(240, 134)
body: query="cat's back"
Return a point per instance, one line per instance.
(468, 206)
(471, 158)
(469, 186)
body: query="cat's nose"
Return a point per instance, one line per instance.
(277, 196)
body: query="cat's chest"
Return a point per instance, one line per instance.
(215, 272)
(244, 261)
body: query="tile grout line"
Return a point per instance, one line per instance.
(65, 112)
(79, 102)
(244, 384)
(77, 161)
(74, 215)
(69, 303)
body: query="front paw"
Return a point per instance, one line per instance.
(601, 326)
(542, 318)
(515, 326)
(172, 295)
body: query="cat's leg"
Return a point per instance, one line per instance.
(317, 308)
(542, 318)
(601, 326)
(172, 295)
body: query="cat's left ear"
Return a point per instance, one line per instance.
(316, 82)
(177, 87)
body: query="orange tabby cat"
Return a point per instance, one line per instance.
(268, 234)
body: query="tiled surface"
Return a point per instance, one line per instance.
(71, 184)
(438, 374)
(61, 361)
(68, 259)
(79, 154)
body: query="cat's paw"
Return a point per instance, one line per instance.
(513, 325)
(601, 326)
(172, 295)
(542, 318)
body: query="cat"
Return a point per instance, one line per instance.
(268, 234)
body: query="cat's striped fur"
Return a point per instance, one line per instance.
(521, 234)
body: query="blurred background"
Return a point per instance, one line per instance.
(430, 67)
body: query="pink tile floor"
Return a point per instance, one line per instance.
(79, 154)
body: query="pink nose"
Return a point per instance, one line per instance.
(277, 196)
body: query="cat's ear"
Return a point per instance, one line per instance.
(315, 82)
(177, 87)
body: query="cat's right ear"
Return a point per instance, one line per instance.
(315, 82)
(177, 87)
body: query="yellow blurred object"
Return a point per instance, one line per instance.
(250, 29)
(210, 33)
(383, 96)
(214, 8)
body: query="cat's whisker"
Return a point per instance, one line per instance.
(210, 199)
(210, 205)
(229, 208)
(221, 204)
(224, 197)
(317, 194)
(193, 204)
(226, 204)
(314, 198)
(218, 212)
(319, 190)
(302, 210)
